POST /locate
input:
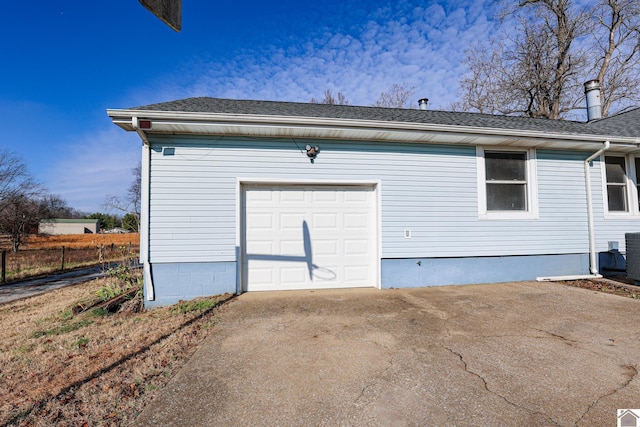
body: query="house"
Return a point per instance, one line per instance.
(627, 418)
(68, 226)
(242, 195)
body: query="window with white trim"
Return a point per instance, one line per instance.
(617, 184)
(507, 186)
(621, 185)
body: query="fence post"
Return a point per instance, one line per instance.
(3, 268)
(62, 258)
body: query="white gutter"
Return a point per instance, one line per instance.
(144, 212)
(141, 134)
(592, 238)
(189, 122)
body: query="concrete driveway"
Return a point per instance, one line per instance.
(525, 353)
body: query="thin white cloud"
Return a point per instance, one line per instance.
(421, 46)
(95, 166)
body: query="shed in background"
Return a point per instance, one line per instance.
(68, 226)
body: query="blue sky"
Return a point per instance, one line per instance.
(66, 62)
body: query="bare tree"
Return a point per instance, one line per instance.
(398, 96)
(15, 177)
(129, 204)
(19, 198)
(54, 206)
(558, 44)
(329, 98)
(482, 86)
(20, 213)
(616, 37)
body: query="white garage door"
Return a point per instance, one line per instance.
(309, 237)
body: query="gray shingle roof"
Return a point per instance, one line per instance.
(623, 125)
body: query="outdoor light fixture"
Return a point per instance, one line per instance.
(312, 152)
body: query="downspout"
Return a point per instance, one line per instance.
(593, 269)
(144, 211)
(592, 238)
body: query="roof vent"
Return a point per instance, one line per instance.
(422, 103)
(594, 106)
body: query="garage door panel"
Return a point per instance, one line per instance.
(317, 241)
(324, 196)
(293, 275)
(356, 196)
(294, 247)
(357, 274)
(264, 221)
(260, 247)
(327, 221)
(324, 247)
(290, 196)
(326, 276)
(261, 276)
(356, 247)
(291, 221)
(356, 221)
(259, 195)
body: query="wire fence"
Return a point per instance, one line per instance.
(35, 262)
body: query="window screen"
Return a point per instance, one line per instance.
(506, 180)
(616, 172)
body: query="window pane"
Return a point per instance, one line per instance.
(616, 170)
(507, 166)
(616, 195)
(506, 197)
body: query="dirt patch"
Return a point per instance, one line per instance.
(618, 286)
(95, 367)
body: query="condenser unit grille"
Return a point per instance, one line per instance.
(632, 242)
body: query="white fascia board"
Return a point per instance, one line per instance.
(185, 123)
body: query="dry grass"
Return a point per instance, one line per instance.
(93, 368)
(80, 240)
(43, 254)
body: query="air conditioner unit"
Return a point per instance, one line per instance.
(632, 241)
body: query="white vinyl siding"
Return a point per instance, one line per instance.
(430, 191)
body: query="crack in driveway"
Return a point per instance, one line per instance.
(374, 381)
(563, 338)
(486, 387)
(631, 372)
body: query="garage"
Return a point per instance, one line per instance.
(309, 236)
